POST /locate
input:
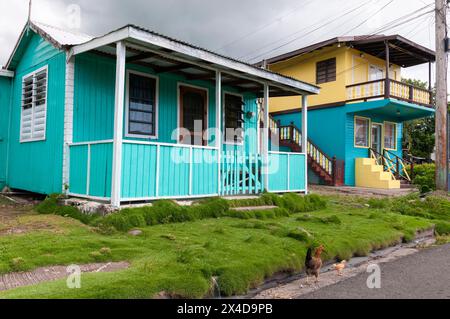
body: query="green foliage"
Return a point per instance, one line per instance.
(418, 135)
(17, 264)
(434, 208)
(51, 205)
(266, 199)
(167, 211)
(299, 204)
(378, 203)
(180, 258)
(300, 234)
(425, 177)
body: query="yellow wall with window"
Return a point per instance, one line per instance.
(352, 66)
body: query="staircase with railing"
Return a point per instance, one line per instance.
(329, 169)
(399, 168)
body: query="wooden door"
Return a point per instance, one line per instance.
(193, 107)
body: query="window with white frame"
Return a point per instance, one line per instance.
(233, 118)
(390, 135)
(362, 132)
(142, 105)
(34, 106)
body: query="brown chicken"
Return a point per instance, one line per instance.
(313, 264)
(339, 267)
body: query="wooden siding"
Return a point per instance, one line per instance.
(37, 166)
(353, 152)
(5, 93)
(90, 170)
(183, 171)
(286, 172)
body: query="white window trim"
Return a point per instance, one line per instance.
(369, 133)
(127, 106)
(225, 142)
(43, 138)
(395, 138)
(179, 85)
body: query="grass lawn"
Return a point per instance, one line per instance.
(181, 258)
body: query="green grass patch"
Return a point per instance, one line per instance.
(168, 212)
(180, 257)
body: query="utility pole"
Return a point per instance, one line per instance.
(30, 5)
(441, 95)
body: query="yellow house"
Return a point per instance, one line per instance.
(355, 123)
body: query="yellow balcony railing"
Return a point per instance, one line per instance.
(384, 88)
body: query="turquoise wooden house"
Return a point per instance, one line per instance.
(136, 116)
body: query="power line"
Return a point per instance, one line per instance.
(375, 33)
(365, 21)
(391, 24)
(274, 21)
(306, 28)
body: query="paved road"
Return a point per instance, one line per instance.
(422, 275)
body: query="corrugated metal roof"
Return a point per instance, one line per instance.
(416, 54)
(62, 37)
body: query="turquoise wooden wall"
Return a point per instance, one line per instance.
(286, 172)
(93, 121)
(5, 94)
(325, 128)
(37, 166)
(94, 105)
(353, 152)
(332, 129)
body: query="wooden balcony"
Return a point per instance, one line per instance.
(387, 88)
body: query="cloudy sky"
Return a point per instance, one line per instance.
(247, 29)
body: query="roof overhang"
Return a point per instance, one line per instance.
(143, 40)
(51, 34)
(402, 52)
(6, 73)
(390, 110)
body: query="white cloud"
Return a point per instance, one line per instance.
(262, 25)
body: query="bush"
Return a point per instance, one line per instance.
(378, 203)
(266, 199)
(297, 204)
(51, 205)
(442, 227)
(424, 177)
(167, 211)
(300, 234)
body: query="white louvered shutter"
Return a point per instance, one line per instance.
(34, 106)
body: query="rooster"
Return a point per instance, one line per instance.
(313, 264)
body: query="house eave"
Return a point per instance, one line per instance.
(7, 73)
(188, 53)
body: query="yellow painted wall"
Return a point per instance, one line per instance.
(352, 66)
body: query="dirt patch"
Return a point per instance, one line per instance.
(51, 273)
(360, 191)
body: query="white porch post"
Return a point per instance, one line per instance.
(219, 126)
(68, 121)
(305, 136)
(118, 125)
(265, 142)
